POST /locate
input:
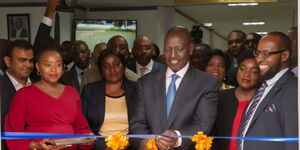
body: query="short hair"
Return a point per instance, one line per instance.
(107, 52)
(156, 49)
(244, 56)
(286, 42)
(255, 35)
(48, 44)
(114, 38)
(239, 31)
(79, 42)
(218, 52)
(17, 43)
(180, 29)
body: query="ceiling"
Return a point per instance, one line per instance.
(278, 16)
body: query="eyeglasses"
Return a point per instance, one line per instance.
(266, 54)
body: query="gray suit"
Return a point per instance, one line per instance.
(281, 121)
(194, 107)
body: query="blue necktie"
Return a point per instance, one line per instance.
(251, 109)
(171, 93)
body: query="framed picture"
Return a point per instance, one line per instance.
(18, 26)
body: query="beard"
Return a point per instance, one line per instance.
(271, 72)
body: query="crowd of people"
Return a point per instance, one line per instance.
(249, 90)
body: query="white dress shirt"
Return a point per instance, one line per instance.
(16, 84)
(148, 68)
(181, 73)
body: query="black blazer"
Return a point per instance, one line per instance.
(93, 102)
(93, 106)
(70, 78)
(8, 91)
(227, 107)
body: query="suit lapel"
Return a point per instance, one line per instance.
(160, 97)
(180, 96)
(99, 99)
(269, 97)
(75, 79)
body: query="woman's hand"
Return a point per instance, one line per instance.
(41, 145)
(92, 138)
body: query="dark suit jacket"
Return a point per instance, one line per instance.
(70, 78)
(282, 122)
(93, 102)
(194, 107)
(156, 66)
(227, 108)
(7, 93)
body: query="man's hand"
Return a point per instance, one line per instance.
(164, 142)
(51, 7)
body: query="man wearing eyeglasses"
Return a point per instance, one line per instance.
(272, 112)
(142, 52)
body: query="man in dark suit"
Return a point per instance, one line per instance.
(75, 75)
(19, 61)
(162, 110)
(273, 111)
(235, 41)
(143, 51)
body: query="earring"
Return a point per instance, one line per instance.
(38, 73)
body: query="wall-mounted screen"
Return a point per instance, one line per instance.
(94, 31)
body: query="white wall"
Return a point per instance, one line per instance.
(153, 23)
(36, 14)
(208, 37)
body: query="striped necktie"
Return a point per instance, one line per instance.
(250, 112)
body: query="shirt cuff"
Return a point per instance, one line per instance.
(47, 21)
(179, 140)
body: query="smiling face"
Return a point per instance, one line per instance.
(50, 65)
(216, 67)
(177, 50)
(271, 65)
(20, 64)
(248, 74)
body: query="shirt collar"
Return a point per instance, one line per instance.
(16, 84)
(149, 66)
(276, 77)
(180, 73)
(78, 71)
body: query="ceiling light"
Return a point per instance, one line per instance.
(262, 33)
(253, 23)
(207, 24)
(243, 4)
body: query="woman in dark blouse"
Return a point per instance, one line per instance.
(232, 102)
(108, 104)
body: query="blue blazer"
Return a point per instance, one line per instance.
(282, 121)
